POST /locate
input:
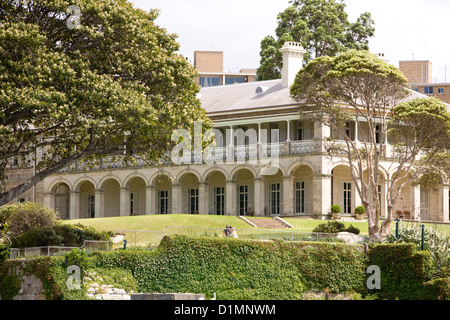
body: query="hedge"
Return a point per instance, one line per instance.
(241, 269)
(404, 270)
(238, 269)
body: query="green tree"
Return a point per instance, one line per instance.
(23, 217)
(321, 26)
(356, 86)
(82, 85)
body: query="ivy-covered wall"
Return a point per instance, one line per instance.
(239, 269)
(247, 269)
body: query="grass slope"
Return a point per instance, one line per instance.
(160, 223)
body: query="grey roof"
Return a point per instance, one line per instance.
(240, 97)
(244, 97)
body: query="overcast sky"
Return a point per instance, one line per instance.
(405, 29)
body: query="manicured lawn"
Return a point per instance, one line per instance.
(202, 225)
(160, 222)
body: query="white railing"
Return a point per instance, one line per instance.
(89, 245)
(302, 147)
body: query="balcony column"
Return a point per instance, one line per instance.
(74, 205)
(356, 131)
(287, 144)
(230, 146)
(415, 196)
(387, 146)
(357, 134)
(259, 143)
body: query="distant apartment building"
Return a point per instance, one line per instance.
(209, 65)
(420, 77)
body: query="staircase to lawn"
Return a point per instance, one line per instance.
(267, 223)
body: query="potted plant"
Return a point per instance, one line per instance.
(336, 211)
(359, 212)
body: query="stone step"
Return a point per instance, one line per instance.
(266, 223)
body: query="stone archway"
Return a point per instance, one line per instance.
(303, 190)
(87, 200)
(112, 199)
(190, 193)
(342, 189)
(216, 183)
(242, 189)
(163, 194)
(137, 196)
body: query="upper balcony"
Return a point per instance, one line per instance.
(245, 142)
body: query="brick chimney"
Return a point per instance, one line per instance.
(293, 53)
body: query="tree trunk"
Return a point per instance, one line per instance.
(9, 195)
(373, 222)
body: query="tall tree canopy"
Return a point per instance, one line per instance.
(86, 83)
(321, 26)
(356, 86)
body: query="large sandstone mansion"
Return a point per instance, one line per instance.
(287, 173)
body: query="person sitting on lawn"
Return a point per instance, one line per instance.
(227, 231)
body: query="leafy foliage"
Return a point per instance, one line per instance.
(31, 224)
(77, 257)
(24, 217)
(112, 86)
(360, 210)
(58, 235)
(237, 269)
(357, 85)
(404, 271)
(437, 244)
(335, 208)
(423, 124)
(321, 26)
(335, 227)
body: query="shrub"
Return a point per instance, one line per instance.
(4, 252)
(334, 227)
(23, 217)
(240, 269)
(38, 238)
(59, 235)
(335, 208)
(243, 269)
(404, 270)
(437, 244)
(438, 289)
(360, 210)
(329, 227)
(77, 257)
(352, 229)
